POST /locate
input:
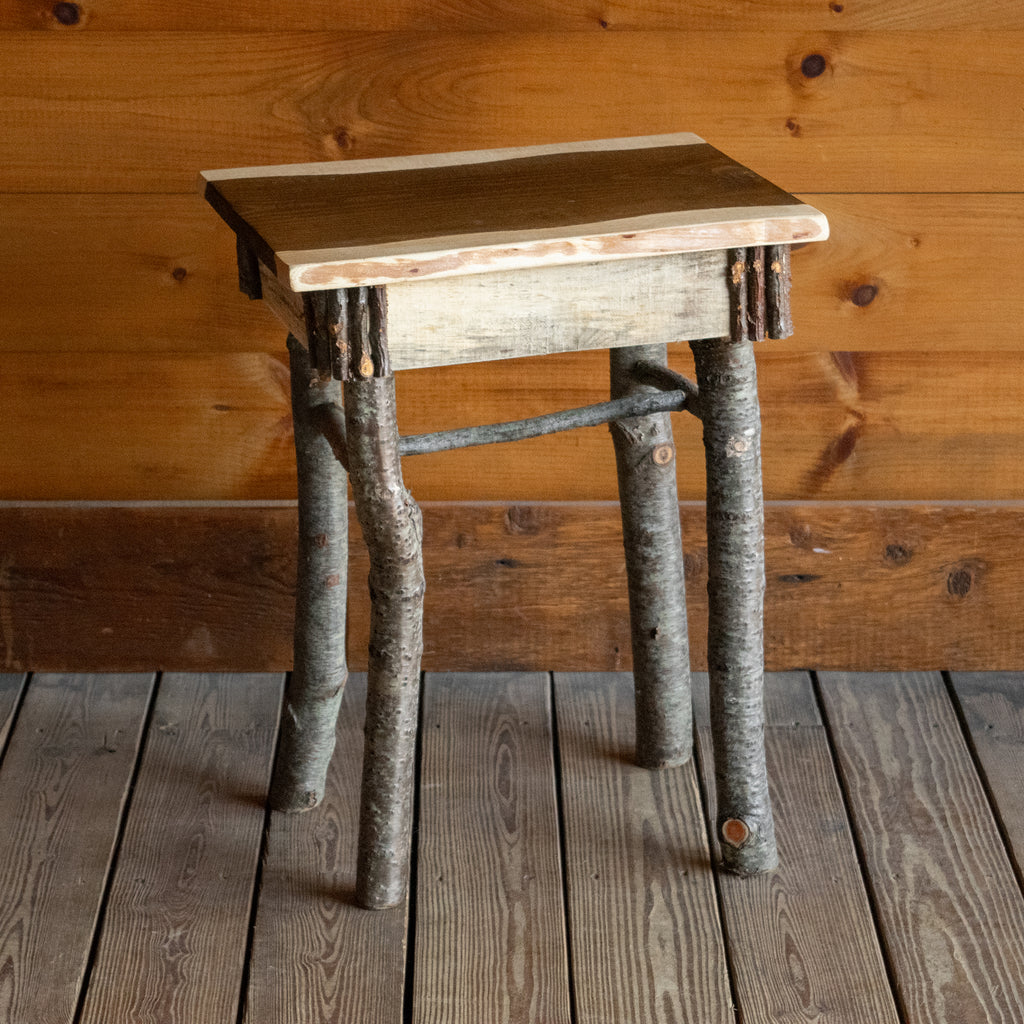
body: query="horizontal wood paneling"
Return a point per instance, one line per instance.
(518, 15)
(902, 272)
(135, 273)
(889, 426)
(531, 586)
(144, 111)
(157, 273)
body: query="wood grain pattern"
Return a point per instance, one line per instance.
(12, 686)
(210, 588)
(62, 789)
(157, 273)
(946, 897)
(643, 919)
(352, 223)
(842, 426)
(137, 273)
(993, 708)
(236, 420)
(490, 934)
(802, 942)
(910, 272)
(315, 955)
(174, 936)
(867, 123)
(542, 310)
(523, 15)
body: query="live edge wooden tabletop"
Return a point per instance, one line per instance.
(348, 223)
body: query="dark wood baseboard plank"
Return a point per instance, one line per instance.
(537, 586)
(316, 956)
(947, 901)
(802, 942)
(12, 686)
(644, 927)
(63, 787)
(993, 709)
(490, 934)
(174, 935)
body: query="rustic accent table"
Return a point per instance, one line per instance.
(380, 265)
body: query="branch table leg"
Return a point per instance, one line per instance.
(319, 673)
(649, 500)
(727, 378)
(392, 528)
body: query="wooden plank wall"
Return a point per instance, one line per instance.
(131, 369)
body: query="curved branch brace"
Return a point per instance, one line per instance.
(727, 378)
(319, 674)
(392, 528)
(649, 501)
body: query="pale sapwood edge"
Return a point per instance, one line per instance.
(649, 504)
(727, 378)
(393, 530)
(319, 673)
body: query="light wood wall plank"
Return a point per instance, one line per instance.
(124, 273)
(157, 273)
(536, 586)
(522, 15)
(843, 426)
(148, 110)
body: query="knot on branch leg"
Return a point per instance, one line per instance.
(663, 454)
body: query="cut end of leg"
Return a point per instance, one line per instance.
(292, 802)
(379, 897)
(735, 832)
(747, 851)
(656, 760)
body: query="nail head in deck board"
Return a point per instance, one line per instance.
(802, 943)
(948, 904)
(316, 956)
(174, 934)
(490, 932)
(62, 790)
(645, 935)
(993, 705)
(11, 687)
(357, 222)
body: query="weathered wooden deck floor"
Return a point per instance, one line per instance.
(141, 879)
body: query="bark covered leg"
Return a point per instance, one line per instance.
(392, 528)
(648, 498)
(319, 672)
(727, 378)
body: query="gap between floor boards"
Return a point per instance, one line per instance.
(141, 877)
